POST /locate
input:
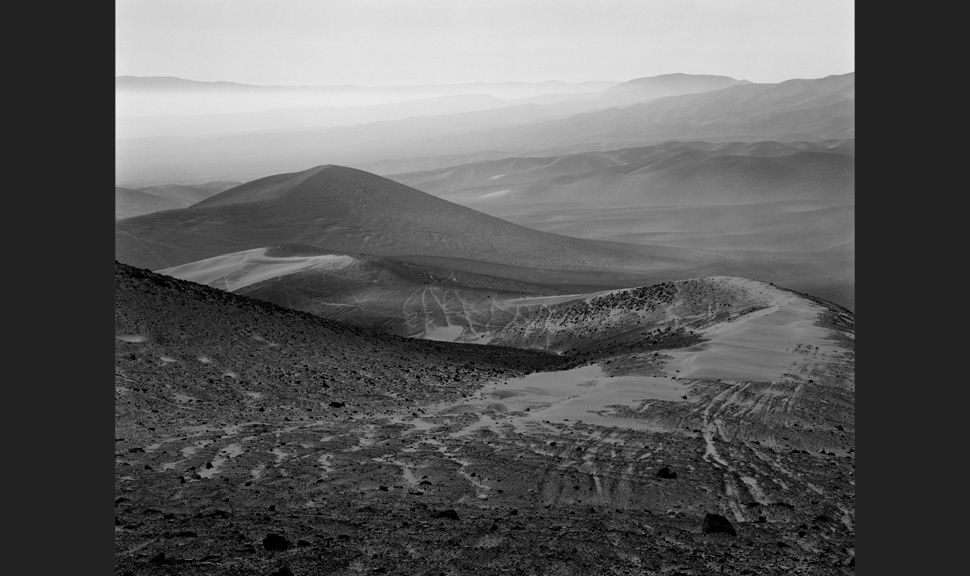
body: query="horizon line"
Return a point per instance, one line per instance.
(499, 82)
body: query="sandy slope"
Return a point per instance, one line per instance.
(583, 394)
(779, 341)
(761, 346)
(240, 269)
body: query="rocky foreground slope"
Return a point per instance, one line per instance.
(252, 439)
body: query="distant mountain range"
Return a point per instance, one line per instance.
(796, 110)
(138, 96)
(646, 89)
(670, 174)
(809, 110)
(176, 83)
(163, 106)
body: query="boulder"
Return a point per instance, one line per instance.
(666, 473)
(450, 514)
(717, 524)
(275, 542)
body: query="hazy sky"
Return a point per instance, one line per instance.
(405, 42)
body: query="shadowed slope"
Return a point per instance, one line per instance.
(186, 319)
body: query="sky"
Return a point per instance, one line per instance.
(412, 42)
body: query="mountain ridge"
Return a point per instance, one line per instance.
(349, 210)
